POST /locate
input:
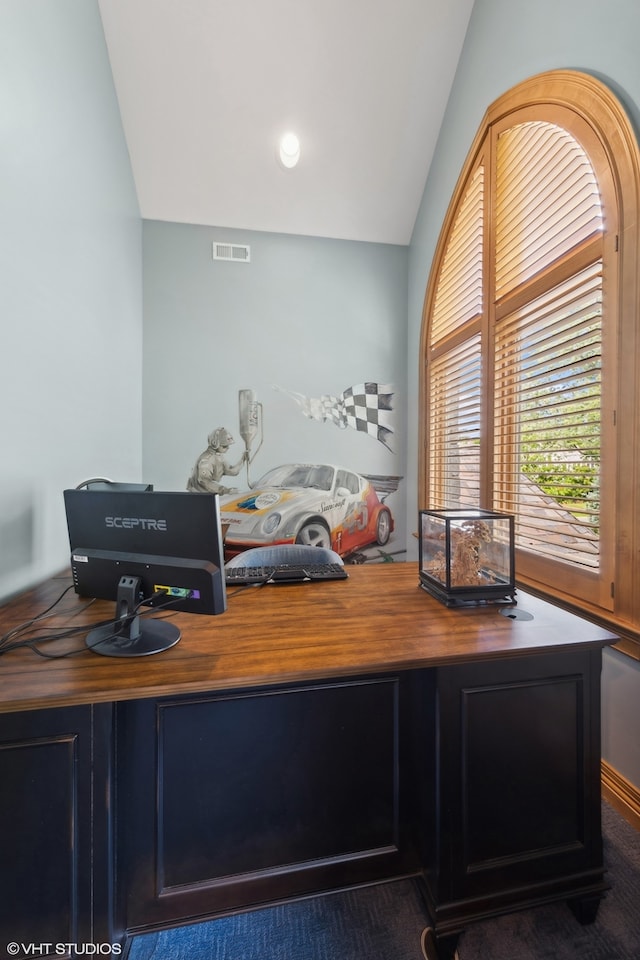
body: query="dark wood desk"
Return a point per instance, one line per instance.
(313, 737)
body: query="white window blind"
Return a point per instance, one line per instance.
(547, 201)
(547, 421)
(548, 353)
(455, 407)
(459, 292)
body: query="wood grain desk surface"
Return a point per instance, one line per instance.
(377, 621)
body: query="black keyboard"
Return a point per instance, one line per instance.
(284, 573)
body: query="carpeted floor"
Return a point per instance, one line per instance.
(553, 933)
(384, 922)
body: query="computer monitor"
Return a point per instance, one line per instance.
(153, 548)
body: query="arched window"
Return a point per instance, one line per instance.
(530, 333)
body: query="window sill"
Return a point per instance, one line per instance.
(629, 637)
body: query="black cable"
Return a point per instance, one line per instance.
(62, 633)
(40, 616)
(9, 641)
(247, 586)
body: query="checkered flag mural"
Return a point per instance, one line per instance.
(366, 407)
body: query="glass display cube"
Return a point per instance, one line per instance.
(467, 556)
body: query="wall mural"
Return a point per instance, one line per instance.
(366, 407)
(318, 504)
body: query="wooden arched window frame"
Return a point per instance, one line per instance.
(479, 330)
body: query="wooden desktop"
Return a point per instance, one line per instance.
(313, 737)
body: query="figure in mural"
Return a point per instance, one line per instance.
(211, 466)
(365, 407)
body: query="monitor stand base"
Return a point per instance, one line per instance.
(115, 640)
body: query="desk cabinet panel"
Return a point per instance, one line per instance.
(515, 787)
(228, 800)
(48, 825)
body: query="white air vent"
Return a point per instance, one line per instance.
(231, 251)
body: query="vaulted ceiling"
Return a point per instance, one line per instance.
(207, 87)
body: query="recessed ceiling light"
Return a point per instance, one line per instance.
(289, 150)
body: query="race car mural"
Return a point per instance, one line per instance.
(311, 503)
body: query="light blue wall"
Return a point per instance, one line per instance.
(507, 42)
(70, 279)
(308, 315)
(621, 714)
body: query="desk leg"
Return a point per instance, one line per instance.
(585, 909)
(438, 948)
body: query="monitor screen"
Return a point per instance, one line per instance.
(145, 548)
